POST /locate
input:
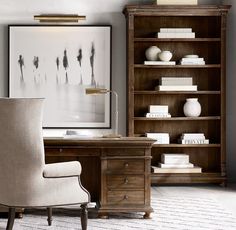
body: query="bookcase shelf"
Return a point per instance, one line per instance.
(186, 146)
(177, 40)
(152, 92)
(178, 66)
(209, 25)
(177, 118)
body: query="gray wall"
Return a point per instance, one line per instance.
(231, 92)
(97, 12)
(110, 12)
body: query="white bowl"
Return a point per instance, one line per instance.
(191, 56)
(165, 56)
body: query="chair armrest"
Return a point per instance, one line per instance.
(65, 169)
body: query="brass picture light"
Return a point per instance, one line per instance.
(59, 17)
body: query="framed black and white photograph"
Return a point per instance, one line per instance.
(58, 63)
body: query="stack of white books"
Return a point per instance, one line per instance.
(175, 163)
(176, 2)
(175, 33)
(176, 84)
(158, 111)
(193, 138)
(161, 138)
(192, 60)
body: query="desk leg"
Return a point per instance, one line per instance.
(19, 214)
(103, 215)
(147, 215)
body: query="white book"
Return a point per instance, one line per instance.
(177, 81)
(161, 138)
(188, 165)
(184, 79)
(176, 2)
(159, 63)
(157, 115)
(176, 161)
(176, 88)
(158, 134)
(176, 30)
(194, 142)
(192, 62)
(158, 109)
(174, 158)
(174, 155)
(175, 35)
(160, 113)
(195, 169)
(193, 136)
(192, 59)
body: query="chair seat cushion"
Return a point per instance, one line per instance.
(65, 169)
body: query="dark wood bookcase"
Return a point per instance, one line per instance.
(209, 24)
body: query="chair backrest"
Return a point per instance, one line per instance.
(21, 146)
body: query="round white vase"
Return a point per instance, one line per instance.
(165, 55)
(192, 107)
(152, 52)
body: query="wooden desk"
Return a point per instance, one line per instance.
(116, 172)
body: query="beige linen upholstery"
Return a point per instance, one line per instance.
(65, 169)
(24, 178)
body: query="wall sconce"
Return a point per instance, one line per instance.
(99, 91)
(59, 17)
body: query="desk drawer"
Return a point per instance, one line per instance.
(72, 151)
(124, 166)
(124, 152)
(125, 181)
(125, 197)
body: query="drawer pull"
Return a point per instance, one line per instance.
(60, 150)
(126, 197)
(126, 165)
(126, 180)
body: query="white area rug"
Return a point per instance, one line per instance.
(181, 211)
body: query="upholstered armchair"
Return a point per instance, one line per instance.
(25, 180)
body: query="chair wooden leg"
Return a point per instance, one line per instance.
(49, 211)
(84, 216)
(11, 218)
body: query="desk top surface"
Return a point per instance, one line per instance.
(90, 141)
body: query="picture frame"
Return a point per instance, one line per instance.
(58, 62)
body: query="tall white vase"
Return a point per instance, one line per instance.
(192, 107)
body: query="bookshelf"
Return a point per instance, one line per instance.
(209, 24)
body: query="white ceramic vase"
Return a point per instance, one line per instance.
(192, 107)
(165, 55)
(152, 52)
